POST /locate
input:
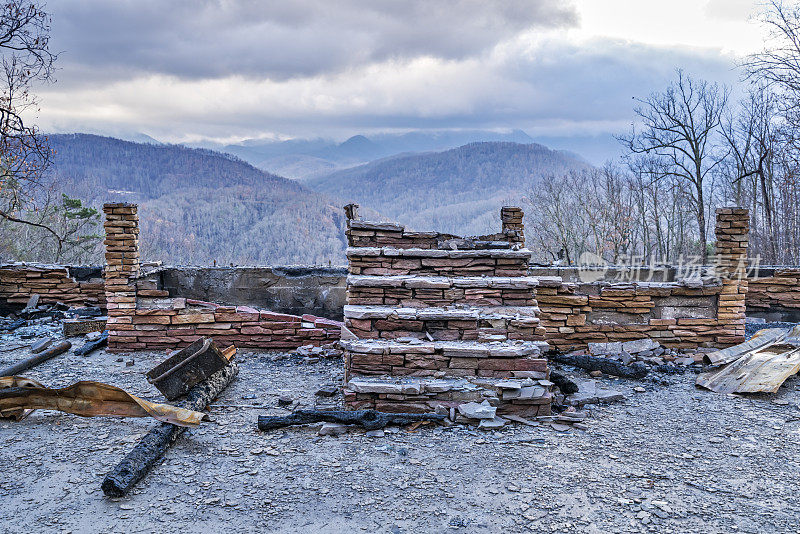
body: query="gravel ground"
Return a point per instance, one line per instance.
(752, 328)
(670, 459)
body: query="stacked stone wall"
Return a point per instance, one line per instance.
(53, 283)
(142, 316)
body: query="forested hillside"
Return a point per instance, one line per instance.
(303, 159)
(458, 191)
(198, 206)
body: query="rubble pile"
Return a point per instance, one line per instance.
(439, 321)
(648, 351)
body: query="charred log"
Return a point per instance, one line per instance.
(567, 386)
(102, 341)
(155, 443)
(52, 352)
(605, 365)
(369, 419)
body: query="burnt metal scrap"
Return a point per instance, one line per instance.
(759, 365)
(188, 367)
(155, 443)
(20, 396)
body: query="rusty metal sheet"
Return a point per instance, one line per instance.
(762, 338)
(762, 368)
(20, 396)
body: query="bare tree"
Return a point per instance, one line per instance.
(679, 128)
(24, 152)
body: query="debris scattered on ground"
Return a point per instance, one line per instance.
(311, 352)
(369, 419)
(156, 442)
(20, 396)
(759, 365)
(189, 366)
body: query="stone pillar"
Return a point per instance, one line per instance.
(733, 234)
(513, 227)
(122, 269)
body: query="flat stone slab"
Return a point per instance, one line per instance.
(590, 393)
(640, 345)
(473, 410)
(443, 282)
(455, 313)
(605, 349)
(522, 253)
(408, 386)
(368, 225)
(508, 349)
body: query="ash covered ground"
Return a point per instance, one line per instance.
(670, 459)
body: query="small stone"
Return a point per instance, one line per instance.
(492, 424)
(40, 345)
(285, 400)
(327, 391)
(379, 433)
(639, 389)
(93, 336)
(558, 427)
(130, 363)
(332, 429)
(473, 410)
(596, 374)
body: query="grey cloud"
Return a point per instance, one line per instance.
(280, 39)
(554, 89)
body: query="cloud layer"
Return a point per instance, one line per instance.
(184, 70)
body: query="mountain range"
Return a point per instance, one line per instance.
(458, 191)
(199, 206)
(302, 159)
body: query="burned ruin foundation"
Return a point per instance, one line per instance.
(437, 321)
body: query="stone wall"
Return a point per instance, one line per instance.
(436, 322)
(77, 286)
(289, 290)
(142, 315)
(684, 314)
(774, 295)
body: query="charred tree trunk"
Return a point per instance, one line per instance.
(153, 445)
(606, 365)
(369, 419)
(102, 341)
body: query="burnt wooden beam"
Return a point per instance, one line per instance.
(24, 365)
(155, 443)
(102, 341)
(369, 419)
(605, 365)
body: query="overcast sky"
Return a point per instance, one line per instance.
(187, 70)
